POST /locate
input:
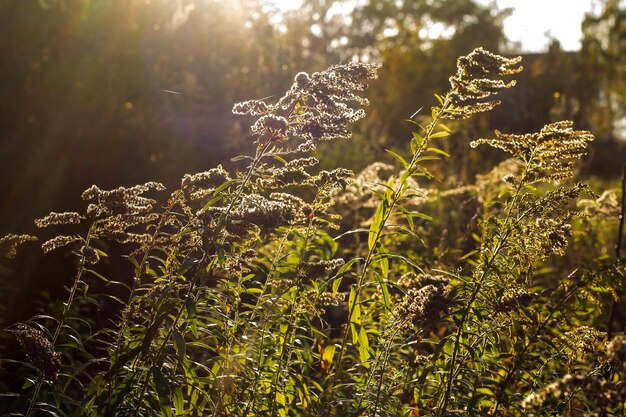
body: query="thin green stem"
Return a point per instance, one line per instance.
(64, 315)
(395, 197)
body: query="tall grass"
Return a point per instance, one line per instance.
(283, 290)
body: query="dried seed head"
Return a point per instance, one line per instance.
(252, 108)
(122, 200)
(302, 79)
(424, 300)
(199, 185)
(271, 126)
(39, 351)
(10, 242)
(90, 254)
(515, 297)
(474, 82)
(316, 107)
(549, 154)
(58, 242)
(582, 341)
(606, 206)
(616, 348)
(59, 218)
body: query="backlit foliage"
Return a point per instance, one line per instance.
(286, 290)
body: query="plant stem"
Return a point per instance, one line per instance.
(64, 315)
(395, 197)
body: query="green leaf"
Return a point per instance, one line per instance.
(279, 158)
(419, 140)
(398, 157)
(444, 127)
(439, 151)
(239, 158)
(441, 134)
(97, 275)
(355, 319)
(427, 158)
(364, 347)
(384, 264)
(179, 342)
(342, 271)
(280, 398)
(179, 403)
(377, 223)
(162, 386)
(328, 354)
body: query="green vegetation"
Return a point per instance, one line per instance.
(284, 289)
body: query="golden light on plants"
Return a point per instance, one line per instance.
(261, 229)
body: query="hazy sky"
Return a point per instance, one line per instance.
(532, 19)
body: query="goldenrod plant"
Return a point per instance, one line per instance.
(287, 290)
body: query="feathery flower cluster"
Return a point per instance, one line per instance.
(330, 299)
(122, 200)
(39, 351)
(310, 271)
(582, 341)
(59, 218)
(58, 242)
(550, 152)
(606, 206)
(292, 173)
(425, 298)
(553, 235)
(316, 107)
(265, 213)
(90, 254)
(474, 82)
(197, 186)
(10, 242)
(361, 192)
(514, 297)
(605, 394)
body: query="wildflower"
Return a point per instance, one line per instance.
(317, 106)
(272, 126)
(122, 200)
(565, 386)
(582, 341)
(198, 185)
(59, 218)
(310, 271)
(550, 152)
(616, 348)
(252, 108)
(292, 173)
(361, 192)
(470, 85)
(514, 297)
(425, 298)
(10, 242)
(337, 178)
(39, 351)
(90, 254)
(330, 299)
(421, 360)
(58, 242)
(267, 214)
(606, 206)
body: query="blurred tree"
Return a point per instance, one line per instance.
(603, 55)
(604, 50)
(118, 92)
